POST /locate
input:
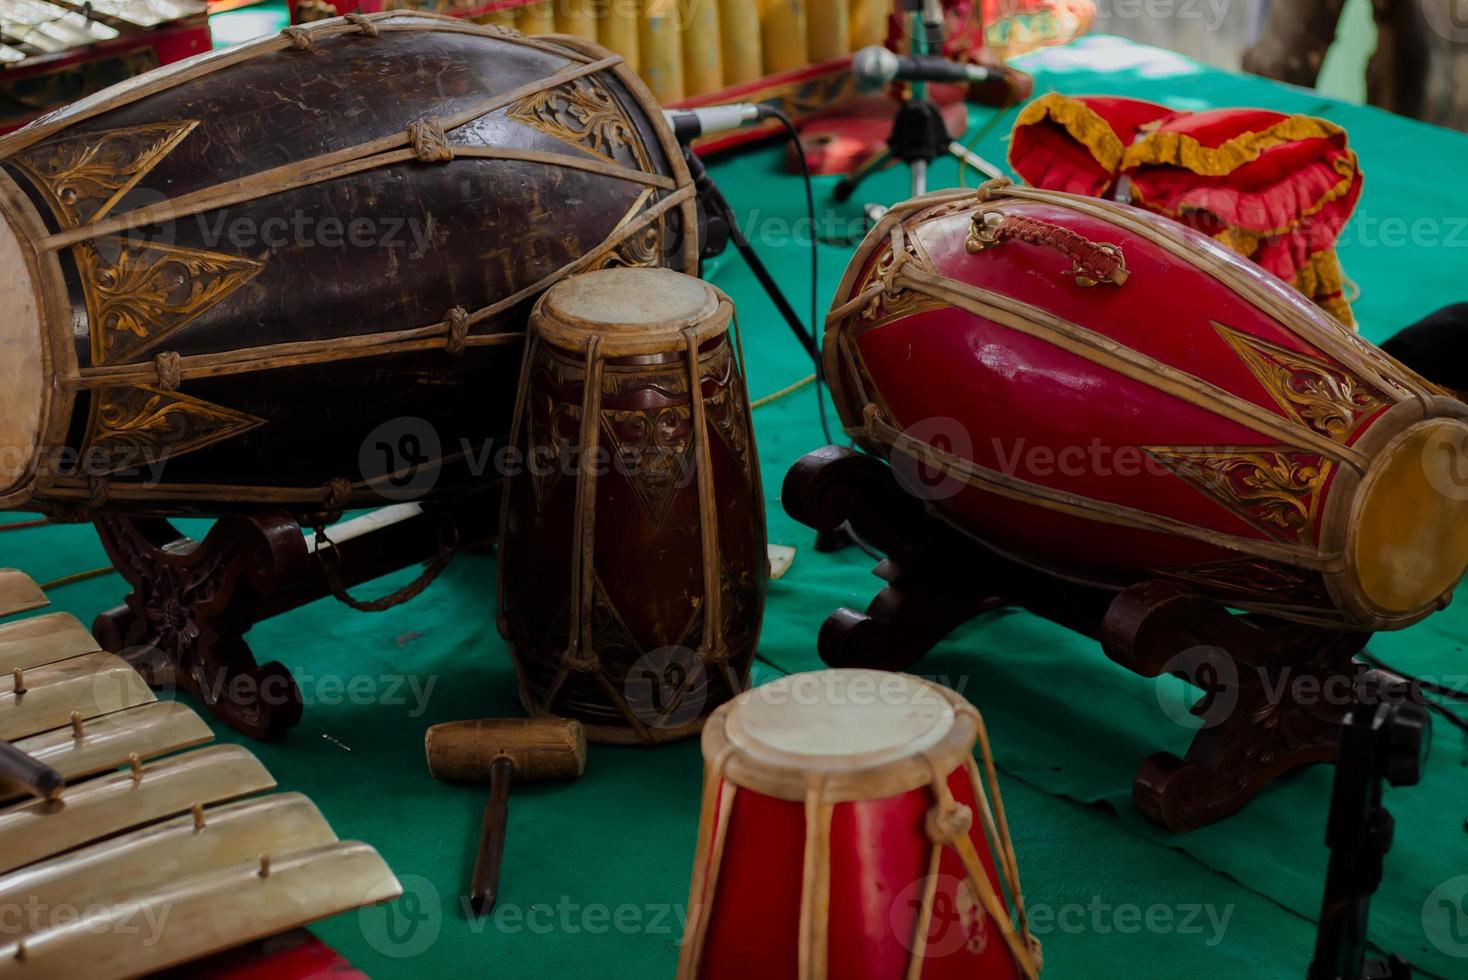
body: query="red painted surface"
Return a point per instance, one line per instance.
(1030, 409)
(304, 957)
(879, 863)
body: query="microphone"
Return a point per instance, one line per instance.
(689, 124)
(875, 67)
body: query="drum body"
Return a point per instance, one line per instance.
(633, 554)
(846, 834)
(1111, 397)
(281, 273)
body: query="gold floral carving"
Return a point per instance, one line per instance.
(585, 114)
(1323, 396)
(1276, 489)
(141, 425)
(895, 302)
(84, 176)
(642, 249)
(140, 293)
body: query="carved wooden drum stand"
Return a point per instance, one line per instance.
(632, 545)
(292, 278)
(1256, 455)
(847, 832)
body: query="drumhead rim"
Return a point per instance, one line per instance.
(20, 221)
(1343, 523)
(841, 778)
(571, 330)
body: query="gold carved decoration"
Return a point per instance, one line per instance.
(140, 293)
(84, 176)
(894, 302)
(641, 250)
(141, 425)
(585, 114)
(1275, 489)
(654, 448)
(1322, 396)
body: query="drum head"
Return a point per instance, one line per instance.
(22, 362)
(1409, 542)
(835, 720)
(632, 311)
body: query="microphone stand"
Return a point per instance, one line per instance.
(919, 133)
(1379, 743)
(721, 226)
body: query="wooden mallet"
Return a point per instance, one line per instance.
(22, 772)
(502, 751)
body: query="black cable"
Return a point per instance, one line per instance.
(815, 265)
(1436, 688)
(1452, 717)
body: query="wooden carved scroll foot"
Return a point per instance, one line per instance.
(184, 622)
(931, 590)
(1275, 693)
(192, 602)
(1274, 698)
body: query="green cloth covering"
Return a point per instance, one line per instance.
(597, 870)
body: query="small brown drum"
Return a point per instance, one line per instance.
(1110, 396)
(846, 833)
(284, 273)
(633, 559)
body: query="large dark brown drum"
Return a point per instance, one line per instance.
(296, 273)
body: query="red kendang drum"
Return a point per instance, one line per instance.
(1109, 396)
(846, 833)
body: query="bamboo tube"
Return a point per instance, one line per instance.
(618, 29)
(504, 17)
(867, 22)
(739, 37)
(703, 56)
(662, 50)
(783, 35)
(829, 30)
(576, 17)
(537, 18)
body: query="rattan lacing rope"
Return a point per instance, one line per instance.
(167, 364)
(368, 28)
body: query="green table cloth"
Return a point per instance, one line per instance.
(596, 876)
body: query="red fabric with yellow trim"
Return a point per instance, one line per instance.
(1276, 188)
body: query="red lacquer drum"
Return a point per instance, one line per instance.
(1107, 395)
(846, 833)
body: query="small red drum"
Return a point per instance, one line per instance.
(1107, 395)
(846, 833)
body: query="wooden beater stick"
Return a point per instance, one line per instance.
(21, 771)
(501, 751)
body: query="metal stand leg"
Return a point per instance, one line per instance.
(968, 156)
(919, 177)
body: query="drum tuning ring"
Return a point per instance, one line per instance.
(983, 232)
